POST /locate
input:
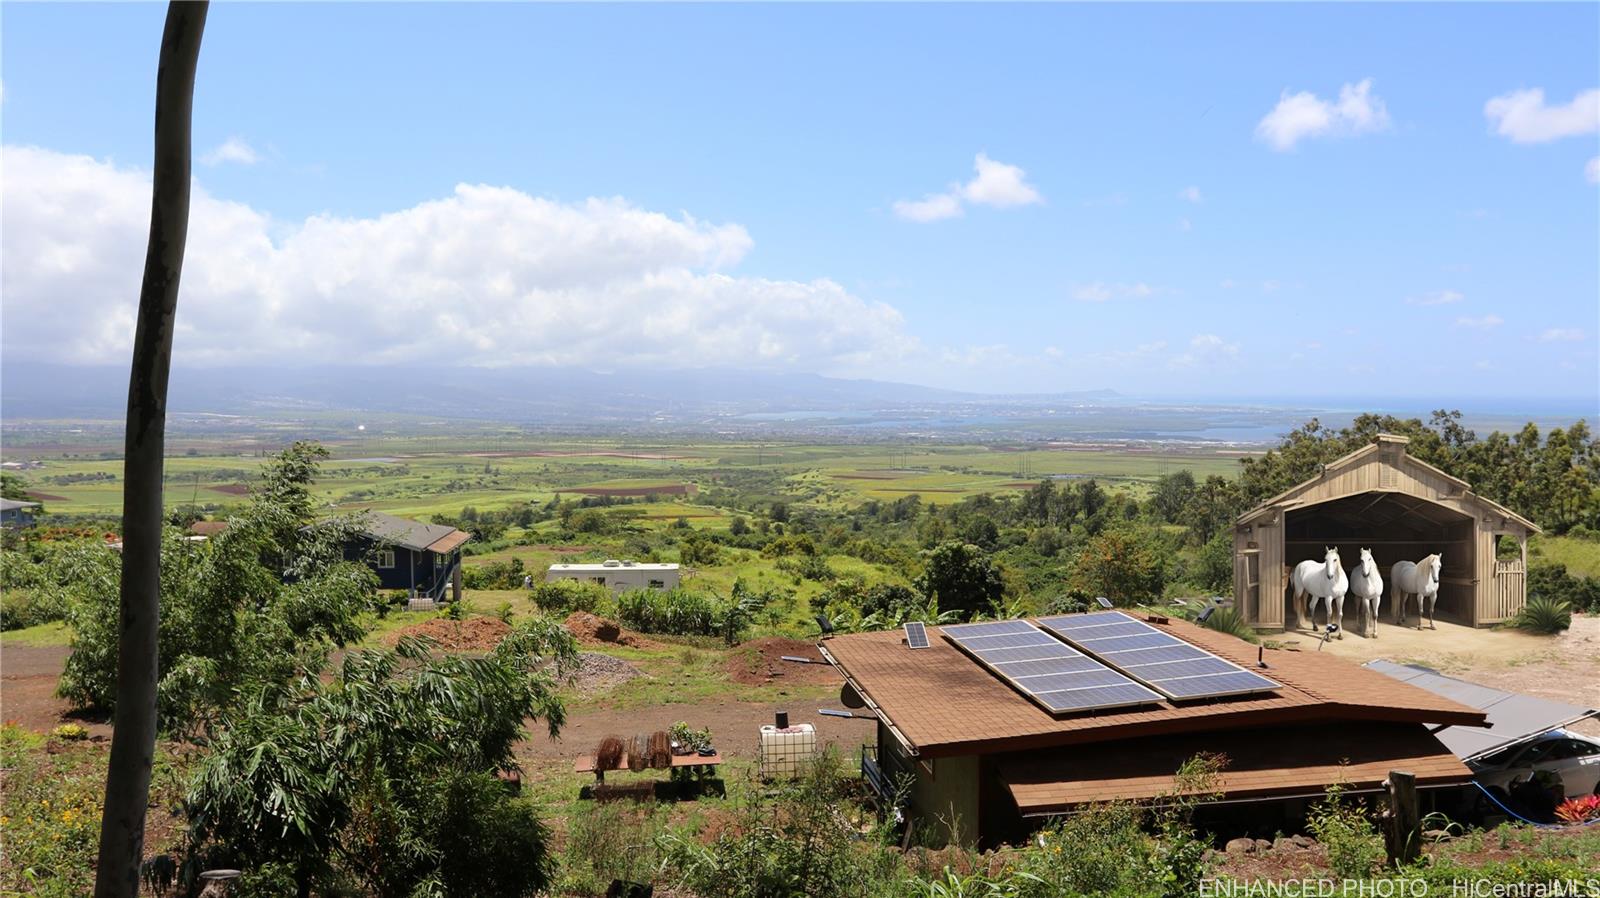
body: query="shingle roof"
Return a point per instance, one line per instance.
(942, 703)
(1301, 760)
(408, 534)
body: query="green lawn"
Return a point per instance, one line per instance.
(1581, 556)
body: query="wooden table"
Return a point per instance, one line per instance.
(585, 764)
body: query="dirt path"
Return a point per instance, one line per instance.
(28, 676)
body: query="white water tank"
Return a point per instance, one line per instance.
(785, 750)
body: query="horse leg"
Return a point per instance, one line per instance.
(1433, 602)
(1299, 607)
(1336, 607)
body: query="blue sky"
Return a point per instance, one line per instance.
(1179, 204)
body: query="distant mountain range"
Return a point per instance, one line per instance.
(500, 394)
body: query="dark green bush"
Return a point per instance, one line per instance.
(1551, 581)
(1543, 616)
(567, 596)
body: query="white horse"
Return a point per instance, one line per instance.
(1323, 579)
(1420, 580)
(1366, 584)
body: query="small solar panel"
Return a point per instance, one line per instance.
(1175, 668)
(1053, 674)
(916, 634)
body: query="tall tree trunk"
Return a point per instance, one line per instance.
(134, 738)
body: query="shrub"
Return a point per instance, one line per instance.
(796, 844)
(1355, 849)
(1544, 616)
(1551, 581)
(567, 596)
(676, 612)
(494, 575)
(607, 841)
(1227, 620)
(808, 567)
(698, 551)
(1122, 565)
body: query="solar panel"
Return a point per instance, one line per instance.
(1053, 674)
(1176, 669)
(916, 634)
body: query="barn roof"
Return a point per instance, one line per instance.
(1372, 454)
(940, 702)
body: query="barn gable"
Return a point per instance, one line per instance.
(1382, 498)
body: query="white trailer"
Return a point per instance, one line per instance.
(618, 576)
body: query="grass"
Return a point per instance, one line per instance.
(42, 635)
(1581, 556)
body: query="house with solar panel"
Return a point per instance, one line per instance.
(998, 726)
(422, 559)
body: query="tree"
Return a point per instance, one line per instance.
(960, 577)
(260, 603)
(1172, 493)
(1120, 565)
(385, 775)
(133, 736)
(1211, 509)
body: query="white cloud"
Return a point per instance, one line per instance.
(234, 149)
(933, 207)
(1191, 194)
(484, 276)
(1206, 350)
(1591, 171)
(1482, 324)
(1561, 335)
(1522, 116)
(1302, 115)
(1436, 298)
(996, 184)
(1099, 291)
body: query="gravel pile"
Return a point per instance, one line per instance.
(598, 673)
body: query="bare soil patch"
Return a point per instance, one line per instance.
(759, 662)
(589, 629)
(475, 634)
(600, 673)
(46, 497)
(671, 489)
(28, 677)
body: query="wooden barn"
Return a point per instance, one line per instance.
(1403, 509)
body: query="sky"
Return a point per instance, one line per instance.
(1305, 202)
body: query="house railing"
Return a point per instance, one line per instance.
(442, 579)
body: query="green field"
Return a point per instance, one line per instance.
(396, 476)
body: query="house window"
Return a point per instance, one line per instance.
(658, 584)
(385, 558)
(599, 580)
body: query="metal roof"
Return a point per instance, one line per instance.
(1513, 717)
(8, 504)
(407, 534)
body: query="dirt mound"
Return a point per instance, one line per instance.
(592, 630)
(760, 661)
(475, 634)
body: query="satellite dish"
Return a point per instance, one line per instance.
(850, 698)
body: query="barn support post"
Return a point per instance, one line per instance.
(1402, 834)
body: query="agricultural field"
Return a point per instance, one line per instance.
(413, 478)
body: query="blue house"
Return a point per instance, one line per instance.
(422, 559)
(16, 513)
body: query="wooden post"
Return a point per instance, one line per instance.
(1403, 833)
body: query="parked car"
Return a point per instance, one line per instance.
(1568, 756)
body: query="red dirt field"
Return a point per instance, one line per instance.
(591, 630)
(475, 634)
(232, 489)
(672, 489)
(760, 662)
(46, 497)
